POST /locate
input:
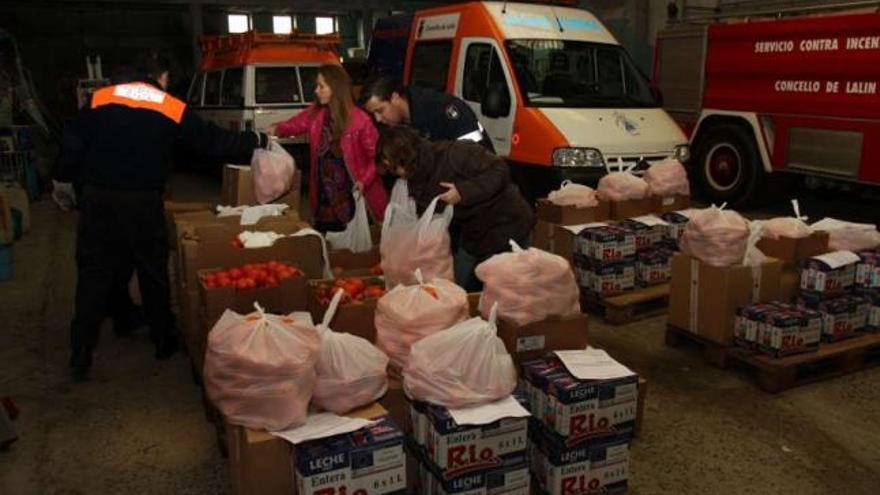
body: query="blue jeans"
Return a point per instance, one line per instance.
(464, 264)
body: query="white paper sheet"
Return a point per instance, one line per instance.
(650, 220)
(253, 214)
(577, 229)
(489, 413)
(322, 425)
(688, 213)
(593, 364)
(838, 259)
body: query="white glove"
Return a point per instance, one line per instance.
(64, 195)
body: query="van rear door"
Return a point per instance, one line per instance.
(280, 92)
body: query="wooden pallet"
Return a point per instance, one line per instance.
(779, 374)
(714, 353)
(631, 306)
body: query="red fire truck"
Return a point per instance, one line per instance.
(797, 95)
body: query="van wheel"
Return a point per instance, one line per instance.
(728, 167)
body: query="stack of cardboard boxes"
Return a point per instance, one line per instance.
(828, 285)
(580, 431)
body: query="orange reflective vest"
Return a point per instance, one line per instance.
(140, 95)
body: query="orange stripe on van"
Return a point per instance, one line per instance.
(141, 96)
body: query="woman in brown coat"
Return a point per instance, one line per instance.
(489, 209)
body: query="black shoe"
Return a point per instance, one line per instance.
(81, 363)
(166, 347)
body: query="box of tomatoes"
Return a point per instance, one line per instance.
(279, 287)
(356, 309)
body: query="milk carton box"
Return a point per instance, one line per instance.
(606, 244)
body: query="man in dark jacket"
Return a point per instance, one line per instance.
(489, 209)
(120, 148)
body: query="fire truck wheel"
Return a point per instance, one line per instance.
(728, 167)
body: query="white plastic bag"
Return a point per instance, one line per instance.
(260, 368)
(273, 171)
(754, 257)
(621, 185)
(794, 227)
(528, 285)
(716, 236)
(668, 178)
(423, 244)
(351, 370)
(407, 314)
(464, 366)
(405, 206)
(356, 236)
(571, 194)
(847, 236)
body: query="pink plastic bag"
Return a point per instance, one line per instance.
(668, 178)
(351, 370)
(464, 366)
(794, 227)
(716, 236)
(409, 244)
(410, 313)
(260, 368)
(571, 194)
(528, 286)
(848, 236)
(621, 185)
(273, 171)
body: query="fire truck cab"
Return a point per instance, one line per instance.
(251, 80)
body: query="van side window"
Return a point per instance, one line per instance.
(232, 94)
(195, 91)
(482, 69)
(430, 64)
(212, 88)
(276, 85)
(308, 76)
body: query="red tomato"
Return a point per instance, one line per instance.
(283, 274)
(272, 281)
(337, 272)
(376, 270)
(235, 274)
(224, 281)
(242, 284)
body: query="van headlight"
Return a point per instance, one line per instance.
(682, 153)
(577, 157)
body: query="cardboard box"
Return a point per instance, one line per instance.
(555, 239)
(789, 249)
(843, 316)
(605, 279)
(288, 297)
(789, 283)
(606, 244)
(572, 215)
(653, 266)
(868, 270)
(586, 468)
(668, 204)
(354, 264)
(238, 188)
(830, 274)
(511, 477)
(189, 317)
(371, 460)
(704, 299)
(621, 210)
(212, 248)
(261, 463)
(356, 319)
(789, 330)
(396, 403)
(534, 340)
(187, 224)
(454, 449)
(173, 208)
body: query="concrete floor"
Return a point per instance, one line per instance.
(138, 426)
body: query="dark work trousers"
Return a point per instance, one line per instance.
(118, 229)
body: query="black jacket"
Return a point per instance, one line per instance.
(125, 139)
(444, 117)
(491, 212)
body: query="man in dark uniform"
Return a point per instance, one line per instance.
(121, 148)
(437, 116)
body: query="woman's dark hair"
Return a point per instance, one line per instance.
(398, 146)
(341, 103)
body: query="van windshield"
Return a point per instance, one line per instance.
(579, 74)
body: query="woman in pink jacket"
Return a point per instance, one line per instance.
(342, 141)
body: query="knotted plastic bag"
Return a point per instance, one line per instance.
(716, 236)
(351, 370)
(273, 170)
(528, 285)
(571, 194)
(464, 366)
(409, 313)
(794, 227)
(260, 368)
(668, 178)
(404, 204)
(848, 236)
(621, 185)
(356, 236)
(422, 244)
